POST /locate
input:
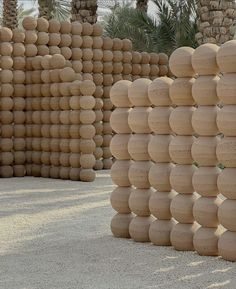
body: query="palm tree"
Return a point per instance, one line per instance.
(59, 9)
(174, 25)
(142, 5)
(216, 21)
(84, 10)
(10, 13)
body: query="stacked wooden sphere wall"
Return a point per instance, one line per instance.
(204, 179)
(226, 153)
(180, 121)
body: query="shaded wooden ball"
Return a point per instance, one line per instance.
(181, 120)
(119, 146)
(139, 228)
(226, 120)
(7, 158)
(120, 225)
(158, 120)
(119, 93)
(119, 120)
(107, 164)
(226, 246)
(87, 175)
(6, 62)
(87, 87)
(181, 178)
(158, 91)
(226, 152)
(158, 148)
(74, 174)
(57, 61)
(138, 92)
(226, 183)
(138, 119)
(227, 214)
(98, 165)
(205, 181)
(119, 173)
(64, 173)
(226, 59)
(159, 232)
(67, 74)
(87, 161)
(6, 49)
(42, 24)
(87, 146)
(159, 175)
(180, 149)
(45, 171)
(226, 88)
(139, 201)
(6, 171)
(29, 23)
(205, 241)
(54, 26)
(120, 199)
(6, 34)
(138, 174)
(138, 147)
(18, 35)
(55, 172)
(76, 28)
(181, 91)
(181, 62)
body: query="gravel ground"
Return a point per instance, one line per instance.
(55, 234)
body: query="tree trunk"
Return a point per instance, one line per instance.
(84, 11)
(142, 5)
(216, 22)
(10, 14)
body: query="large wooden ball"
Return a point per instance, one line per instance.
(226, 120)
(138, 92)
(42, 24)
(181, 178)
(159, 232)
(119, 173)
(87, 175)
(226, 57)
(139, 228)
(138, 119)
(119, 93)
(29, 23)
(158, 120)
(158, 91)
(181, 120)
(159, 204)
(181, 91)
(6, 34)
(120, 225)
(119, 120)
(6, 171)
(226, 152)
(120, 199)
(205, 181)
(227, 214)
(87, 161)
(226, 246)
(159, 175)
(139, 201)
(87, 146)
(57, 61)
(180, 149)
(119, 146)
(205, 241)
(87, 131)
(55, 172)
(138, 174)
(181, 62)
(226, 88)
(158, 148)
(138, 147)
(226, 183)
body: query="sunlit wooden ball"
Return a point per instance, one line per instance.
(97, 29)
(29, 23)
(136, 71)
(43, 50)
(54, 26)
(138, 92)
(205, 211)
(181, 178)
(87, 131)
(226, 57)
(138, 174)
(87, 28)
(158, 91)
(65, 145)
(45, 62)
(98, 153)
(45, 171)
(226, 246)
(18, 76)
(119, 173)
(159, 232)
(57, 61)
(98, 139)
(76, 28)
(77, 41)
(87, 87)
(119, 120)
(227, 214)
(139, 201)
(227, 183)
(154, 71)
(181, 120)
(75, 145)
(99, 117)
(64, 131)
(87, 175)
(106, 115)
(66, 27)
(159, 175)
(120, 225)
(74, 160)
(6, 34)
(158, 148)
(226, 152)
(18, 49)
(45, 158)
(74, 174)
(6, 62)
(226, 88)
(87, 161)
(154, 58)
(120, 199)
(66, 52)
(138, 147)
(65, 159)
(6, 171)
(139, 228)
(67, 74)
(163, 70)
(98, 165)
(31, 37)
(42, 24)
(6, 76)
(87, 146)
(31, 50)
(6, 49)
(158, 120)
(180, 149)
(107, 104)
(138, 119)
(119, 146)
(54, 50)
(87, 116)
(64, 173)
(18, 35)
(205, 181)
(127, 45)
(181, 62)
(7, 89)
(119, 93)
(181, 91)
(163, 58)
(226, 120)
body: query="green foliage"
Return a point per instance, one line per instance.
(58, 9)
(173, 25)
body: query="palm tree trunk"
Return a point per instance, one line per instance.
(84, 11)
(216, 21)
(142, 5)
(10, 14)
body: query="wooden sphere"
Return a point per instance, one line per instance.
(6, 49)
(87, 146)
(45, 62)
(75, 145)
(163, 70)
(87, 161)
(6, 76)
(98, 153)
(120, 199)
(204, 59)
(138, 146)
(87, 116)
(64, 173)
(67, 53)
(31, 37)
(6, 34)
(226, 183)
(119, 93)
(6, 62)
(54, 158)
(54, 39)
(45, 158)
(127, 45)
(205, 181)
(226, 246)
(87, 175)
(138, 119)
(7, 89)
(65, 145)
(98, 139)
(226, 120)
(29, 23)
(119, 146)
(181, 178)
(205, 241)
(6, 117)
(159, 232)
(107, 128)
(87, 131)
(18, 49)
(138, 92)
(43, 50)
(57, 61)
(18, 76)
(6, 103)
(226, 88)
(42, 24)
(119, 173)
(6, 144)
(74, 174)
(180, 150)
(45, 171)
(227, 214)
(74, 160)
(54, 50)
(181, 91)
(158, 91)
(180, 120)
(158, 148)
(159, 175)
(67, 74)
(139, 201)
(66, 27)
(138, 174)
(87, 28)
(6, 130)
(158, 120)
(107, 164)
(19, 170)
(139, 228)
(205, 211)
(64, 159)
(119, 120)
(6, 171)
(87, 87)
(7, 158)
(31, 50)
(19, 63)
(226, 152)
(181, 62)
(18, 35)
(76, 28)
(55, 172)
(120, 225)
(226, 57)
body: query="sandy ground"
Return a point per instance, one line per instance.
(55, 234)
